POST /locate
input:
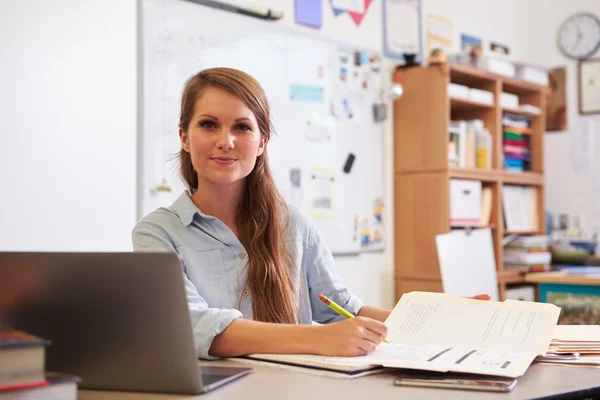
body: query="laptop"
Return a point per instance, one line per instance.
(120, 321)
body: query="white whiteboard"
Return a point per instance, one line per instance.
(321, 96)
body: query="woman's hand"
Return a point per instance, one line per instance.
(350, 337)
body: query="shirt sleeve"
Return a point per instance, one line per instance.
(323, 279)
(206, 322)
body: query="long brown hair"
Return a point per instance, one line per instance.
(263, 216)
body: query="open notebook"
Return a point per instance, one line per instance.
(317, 362)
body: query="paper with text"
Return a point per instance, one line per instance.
(442, 332)
(444, 319)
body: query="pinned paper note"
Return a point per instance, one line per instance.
(371, 229)
(402, 28)
(469, 42)
(309, 13)
(319, 127)
(296, 187)
(322, 192)
(439, 34)
(306, 93)
(582, 143)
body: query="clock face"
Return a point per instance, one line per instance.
(579, 36)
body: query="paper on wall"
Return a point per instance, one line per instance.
(322, 193)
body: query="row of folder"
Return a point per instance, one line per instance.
(516, 141)
(574, 345)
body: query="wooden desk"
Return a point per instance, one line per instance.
(268, 382)
(578, 295)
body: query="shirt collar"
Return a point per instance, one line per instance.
(185, 208)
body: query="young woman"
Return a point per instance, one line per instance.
(253, 266)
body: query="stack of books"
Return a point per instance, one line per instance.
(574, 345)
(528, 254)
(22, 369)
(517, 142)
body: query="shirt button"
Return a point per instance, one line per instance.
(246, 293)
(242, 256)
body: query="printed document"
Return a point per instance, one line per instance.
(442, 332)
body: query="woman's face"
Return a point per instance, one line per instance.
(223, 139)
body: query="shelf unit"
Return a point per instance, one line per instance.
(422, 175)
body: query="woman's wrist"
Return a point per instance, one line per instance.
(308, 339)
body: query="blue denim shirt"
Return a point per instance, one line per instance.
(214, 267)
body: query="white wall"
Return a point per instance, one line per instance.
(566, 190)
(68, 124)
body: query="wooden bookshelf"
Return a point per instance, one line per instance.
(422, 173)
(522, 178)
(458, 104)
(484, 175)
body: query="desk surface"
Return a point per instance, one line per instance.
(563, 277)
(267, 382)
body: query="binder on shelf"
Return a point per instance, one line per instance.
(520, 208)
(486, 206)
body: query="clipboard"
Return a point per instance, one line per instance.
(467, 262)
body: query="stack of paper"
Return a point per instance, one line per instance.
(574, 345)
(528, 254)
(442, 332)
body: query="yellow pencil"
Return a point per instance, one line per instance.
(336, 307)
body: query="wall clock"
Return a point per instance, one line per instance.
(579, 36)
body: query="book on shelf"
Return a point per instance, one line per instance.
(516, 256)
(524, 268)
(528, 254)
(469, 145)
(530, 241)
(445, 333)
(486, 206)
(22, 358)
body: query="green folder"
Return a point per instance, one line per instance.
(512, 136)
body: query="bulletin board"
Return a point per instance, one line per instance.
(327, 154)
